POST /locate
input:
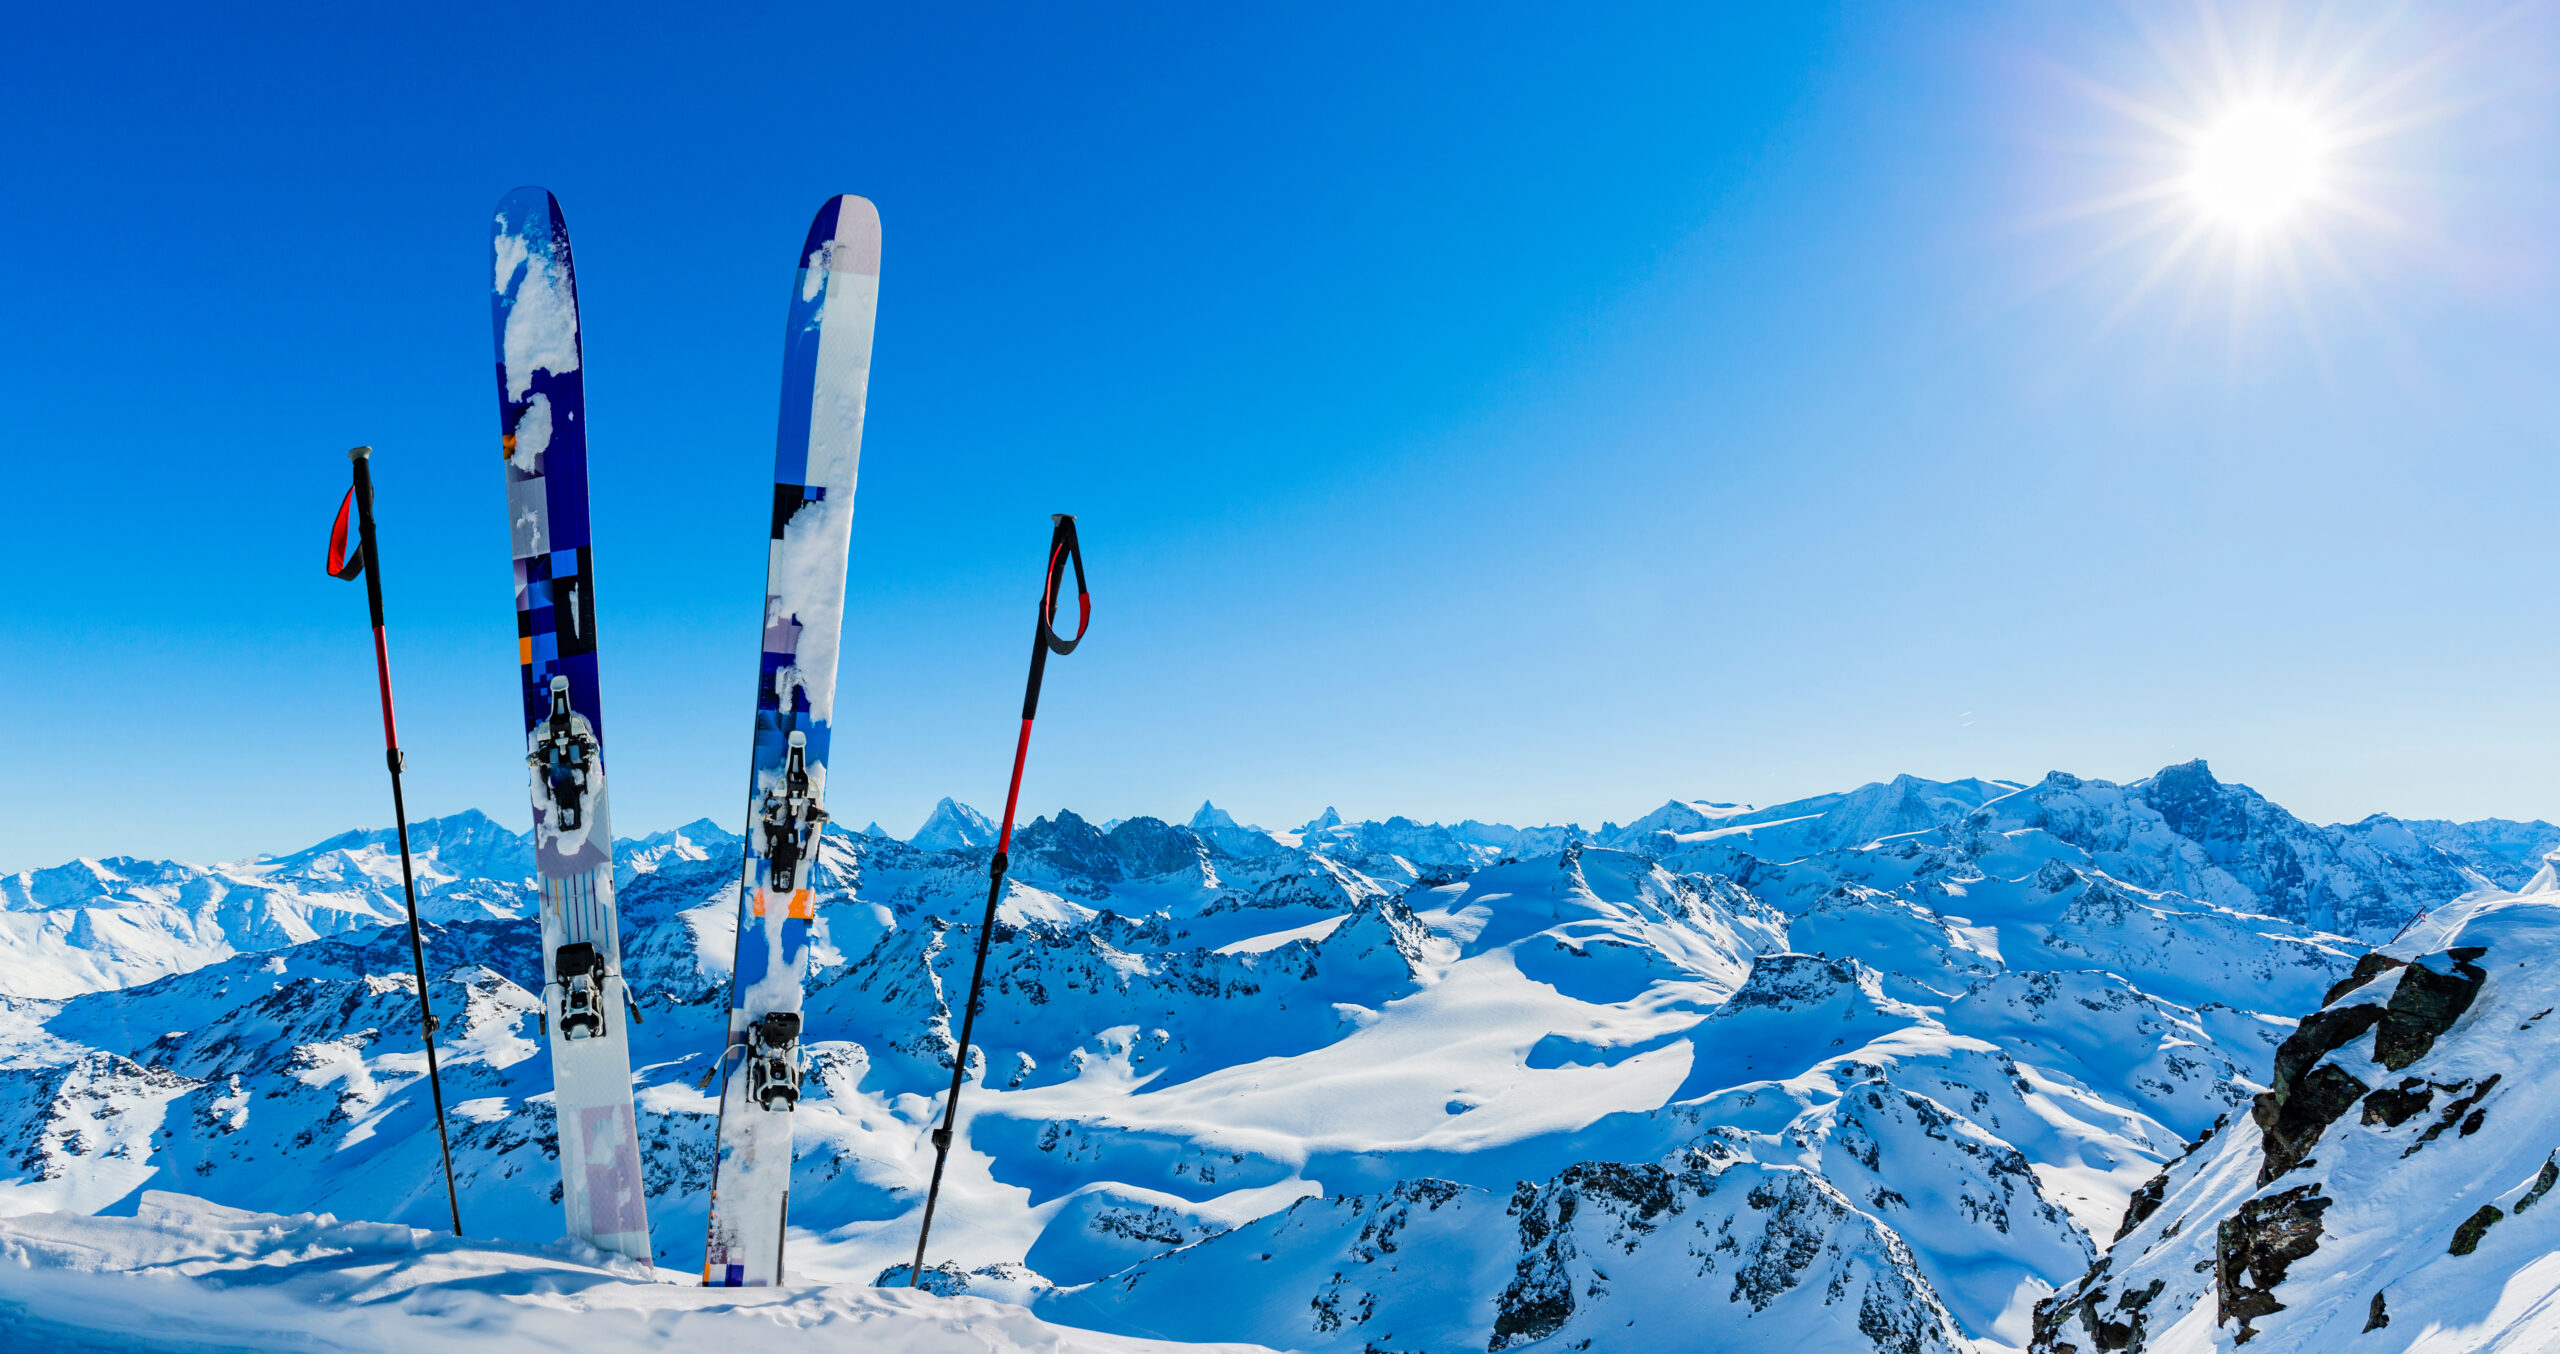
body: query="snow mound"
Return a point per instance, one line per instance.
(239, 1281)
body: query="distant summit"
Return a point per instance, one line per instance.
(1220, 829)
(954, 826)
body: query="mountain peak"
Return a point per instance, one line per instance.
(1219, 828)
(953, 826)
(2192, 772)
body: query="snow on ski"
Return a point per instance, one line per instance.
(826, 369)
(542, 419)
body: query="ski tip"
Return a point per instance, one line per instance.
(523, 205)
(845, 237)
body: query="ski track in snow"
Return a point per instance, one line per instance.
(1877, 1070)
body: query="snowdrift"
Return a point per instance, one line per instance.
(184, 1274)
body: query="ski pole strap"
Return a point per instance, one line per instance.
(344, 563)
(1063, 549)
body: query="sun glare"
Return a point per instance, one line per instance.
(2256, 158)
(2258, 165)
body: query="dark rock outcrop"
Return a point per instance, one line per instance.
(2367, 969)
(2433, 993)
(2466, 1238)
(2307, 1095)
(2255, 1246)
(2299, 1119)
(2392, 1105)
(2144, 1203)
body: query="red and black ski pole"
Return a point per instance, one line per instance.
(367, 560)
(1063, 553)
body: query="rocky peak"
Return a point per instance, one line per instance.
(1220, 829)
(954, 826)
(1148, 847)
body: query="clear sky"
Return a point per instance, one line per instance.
(1521, 412)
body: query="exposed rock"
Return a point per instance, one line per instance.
(2375, 1317)
(2367, 969)
(2466, 1238)
(2426, 1003)
(2144, 1203)
(2308, 1095)
(2292, 1126)
(2256, 1245)
(2392, 1105)
(2541, 1186)
(2459, 1112)
(2320, 1034)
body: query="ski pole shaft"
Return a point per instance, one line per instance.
(362, 456)
(1064, 550)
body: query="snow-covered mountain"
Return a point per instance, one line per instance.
(1877, 1070)
(2390, 1190)
(92, 925)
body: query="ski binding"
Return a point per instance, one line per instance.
(773, 1061)
(564, 754)
(581, 977)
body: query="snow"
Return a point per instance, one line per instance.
(2394, 1195)
(1271, 940)
(542, 321)
(233, 1280)
(1918, 1055)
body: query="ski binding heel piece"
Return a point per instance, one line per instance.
(581, 978)
(773, 1061)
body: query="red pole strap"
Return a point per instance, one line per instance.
(344, 563)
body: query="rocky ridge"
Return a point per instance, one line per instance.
(2387, 1185)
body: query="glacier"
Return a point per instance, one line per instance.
(1881, 1069)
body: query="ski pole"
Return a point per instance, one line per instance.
(1063, 551)
(368, 561)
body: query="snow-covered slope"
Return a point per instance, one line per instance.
(186, 1275)
(1877, 1070)
(2390, 1191)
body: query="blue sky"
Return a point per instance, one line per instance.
(1480, 411)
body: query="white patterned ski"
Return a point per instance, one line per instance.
(543, 426)
(826, 370)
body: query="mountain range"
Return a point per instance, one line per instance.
(1887, 1069)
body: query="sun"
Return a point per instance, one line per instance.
(2259, 166)
(2245, 159)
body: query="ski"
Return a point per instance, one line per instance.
(826, 370)
(542, 422)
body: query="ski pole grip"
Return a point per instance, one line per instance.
(359, 453)
(1064, 548)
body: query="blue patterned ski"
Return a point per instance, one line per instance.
(825, 371)
(543, 426)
